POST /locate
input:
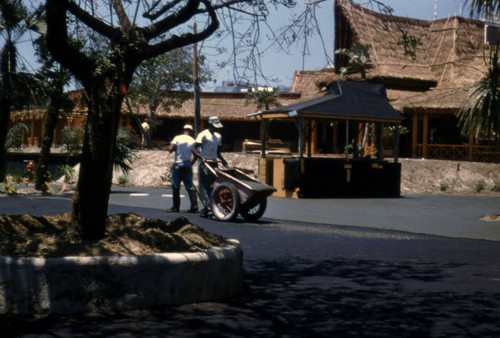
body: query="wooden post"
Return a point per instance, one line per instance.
(425, 135)
(470, 155)
(380, 141)
(309, 138)
(32, 131)
(414, 135)
(396, 143)
(264, 123)
(335, 138)
(301, 136)
(314, 137)
(347, 138)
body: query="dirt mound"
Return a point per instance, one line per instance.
(421, 176)
(126, 235)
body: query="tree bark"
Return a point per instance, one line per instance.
(90, 206)
(4, 127)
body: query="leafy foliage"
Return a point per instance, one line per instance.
(72, 140)
(358, 60)
(14, 135)
(410, 44)
(68, 172)
(480, 111)
(263, 98)
(125, 152)
(164, 82)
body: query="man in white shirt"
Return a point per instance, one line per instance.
(182, 169)
(208, 144)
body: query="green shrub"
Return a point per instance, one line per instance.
(125, 152)
(9, 187)
(14, 136)
(480, 186)
(167, 175)
(67, 171)
(123, 179)
(496, 187)
(443, 186)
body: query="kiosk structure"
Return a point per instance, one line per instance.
(346, 176)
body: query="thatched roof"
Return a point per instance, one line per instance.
(435, 100)
(227, 106)
(449, 51)
(310, 83)
(448, 60)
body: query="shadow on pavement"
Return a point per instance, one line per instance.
(301, 298)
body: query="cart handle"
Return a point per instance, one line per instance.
(212, 170)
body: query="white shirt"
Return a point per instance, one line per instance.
(209, 144)
(183, 144)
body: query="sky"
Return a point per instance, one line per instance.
(281, 66)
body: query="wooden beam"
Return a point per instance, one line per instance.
(314, 137)
(414, 135)
(470, 149)
(425, 135)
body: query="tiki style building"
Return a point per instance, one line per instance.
(427, 84)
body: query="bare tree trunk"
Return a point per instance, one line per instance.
(90, 205)
(4, 127)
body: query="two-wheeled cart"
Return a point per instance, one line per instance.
(238, 193)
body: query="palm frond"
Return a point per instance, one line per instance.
(480, 111)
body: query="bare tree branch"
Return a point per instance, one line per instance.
(92, 22)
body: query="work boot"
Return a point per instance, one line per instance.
(176, 200)
(194, 201)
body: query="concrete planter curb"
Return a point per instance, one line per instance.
(118, 283)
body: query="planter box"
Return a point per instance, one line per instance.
(118, 283)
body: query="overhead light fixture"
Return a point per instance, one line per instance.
(292, 113)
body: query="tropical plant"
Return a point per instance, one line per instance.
(124, 152)
(390, 130)
(72, 141)
(263, 98)
(9, 188)
(15, 88)
(123, 179)
(357, 60)
(488, 8)
(14, 136)
(480, 111)
(68, 172)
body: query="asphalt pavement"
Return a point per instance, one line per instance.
(413, 266)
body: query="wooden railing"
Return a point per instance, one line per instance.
(459, 152)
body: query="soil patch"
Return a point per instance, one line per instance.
(126, 235)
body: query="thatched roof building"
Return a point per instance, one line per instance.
(424, 83)
(449, 55)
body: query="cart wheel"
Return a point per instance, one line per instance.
(255, 211)
(225, 202)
